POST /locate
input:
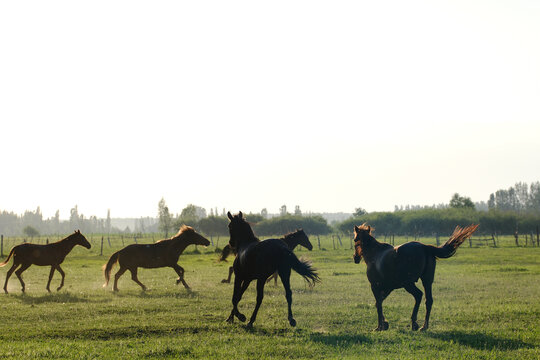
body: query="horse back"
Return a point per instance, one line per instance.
(260, 259)
(147, 255)
(37, 254)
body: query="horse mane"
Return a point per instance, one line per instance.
(291, 234)
(183, 228)
(366, 227)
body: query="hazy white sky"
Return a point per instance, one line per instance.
(245, 105)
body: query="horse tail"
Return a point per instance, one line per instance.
(304, 268)
(108, 267)
(225, 252)
(9, 257)
(450, 246)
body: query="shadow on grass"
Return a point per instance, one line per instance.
(340, 340)
(61, 297)
(479, 341)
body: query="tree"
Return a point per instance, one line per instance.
(297, 210)
(359, 212)
(165, 219)
(191, 215)
(461, 202)
(283, 210)
(30, 231)
(264, 213)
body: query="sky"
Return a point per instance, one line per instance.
(245, 105)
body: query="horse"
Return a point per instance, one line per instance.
(52, 254)
(257, 260)
(390, 267)
(164, 253)
(292, 240)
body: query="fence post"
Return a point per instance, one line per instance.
(319, 241)
(437, 239)
(493, 238)
(101, 251)
(135, 239)
(333, 242)
(537, 236)
(47, 241)
(2, 245)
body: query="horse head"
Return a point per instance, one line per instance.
(362, 238)
(81, 240)
(187, 233)
(304, 240)
(239, 230)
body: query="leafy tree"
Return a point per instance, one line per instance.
(359, 211)
(283, 210)
(30, 231)
(165, 218)
(460, 202)
(297, 211)
(264, 213)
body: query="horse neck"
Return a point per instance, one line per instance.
(291, 242)
(245, 242)
(181, 243)
(67, 244)
(373, 250)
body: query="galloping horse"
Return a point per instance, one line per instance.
(292, 240)
(164, 253)
(43, 255)
(257, 260)
(390, 268)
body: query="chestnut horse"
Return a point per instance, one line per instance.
(164, 253)
(43, 255)
(257, 260)
(390, 268)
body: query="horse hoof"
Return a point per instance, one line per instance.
(292, 322)
(385, 325)
(58, 289)
(414, 326)
(225, 281)
(249, 325)
(423, 328)
(230, 319)
(5, 290)
(241, 317)
(177, 281)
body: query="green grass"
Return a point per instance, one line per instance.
(486, 306)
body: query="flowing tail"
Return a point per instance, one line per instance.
(225, 252)
(304, 268)
(9, 257)
(108, 267)
(458, 237)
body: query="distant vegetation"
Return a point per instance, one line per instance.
(507, 211)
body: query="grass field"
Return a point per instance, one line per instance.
(486, 306)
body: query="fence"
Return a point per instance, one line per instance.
(106, 244)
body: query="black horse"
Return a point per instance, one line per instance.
(390, 268)
(257, 260)
(292, 240)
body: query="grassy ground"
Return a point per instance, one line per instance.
(486, 306)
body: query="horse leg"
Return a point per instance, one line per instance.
(50, 278)
(228, 280)
(63, 277)
(239, 287)
(285, 275)
(429, 302)
(180, 271)
(417, 293)
(119, 273)
(10, 271)
(380, 295)
(260, 296)
(19, 274)
(134, 278)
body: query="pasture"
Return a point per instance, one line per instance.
(486, 306)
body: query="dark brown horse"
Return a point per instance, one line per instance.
(43, 255)
(292, 240)
(390, 268)
(257, 260)
(164, 253)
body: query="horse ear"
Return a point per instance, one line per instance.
(229, 215)
(356, 229)
(241, 215)
(369, 229)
